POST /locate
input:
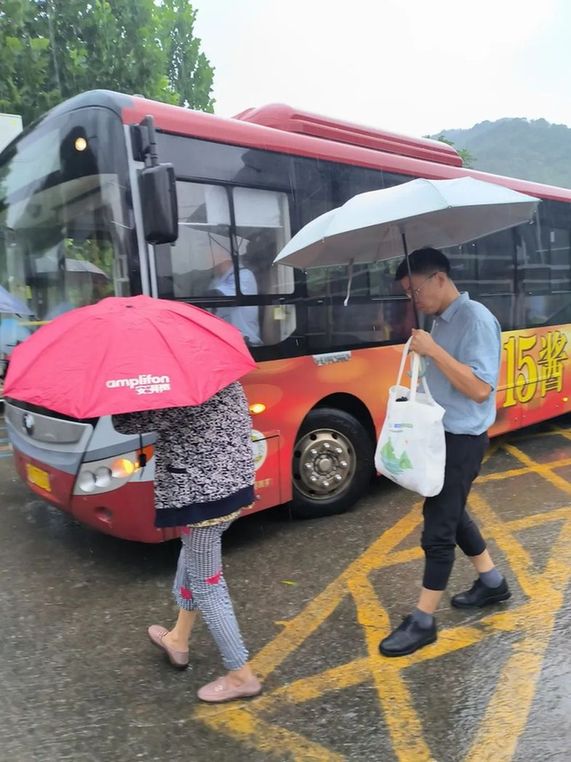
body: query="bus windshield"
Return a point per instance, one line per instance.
(66, 225)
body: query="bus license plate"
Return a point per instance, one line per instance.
(38, 477)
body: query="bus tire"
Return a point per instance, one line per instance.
(332, 463)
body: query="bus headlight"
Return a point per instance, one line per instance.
(122, 468)
(102, 477)
(111, 473)
(256, 408)
(86, 481)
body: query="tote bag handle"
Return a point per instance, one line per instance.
(405, 350)
(415, 372)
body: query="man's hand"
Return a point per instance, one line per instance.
(422, 343)
(461, 376)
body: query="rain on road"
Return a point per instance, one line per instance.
(81, 682)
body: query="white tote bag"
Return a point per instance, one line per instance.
(412, 448)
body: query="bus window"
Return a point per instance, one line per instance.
(66, 223)
(55, 268)
(210, 252)
(382, 278)
(191, 267)
(559, 234)
(201, 262)
(544, 267)
(333, 326)
(262, 230)
(376, 312)
(487, 270)
(463, 261)
(495, 263)
(348, 181)
(560, 259)
(312, 189)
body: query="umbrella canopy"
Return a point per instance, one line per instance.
(377, 225)
(127, 354)
(11, 303)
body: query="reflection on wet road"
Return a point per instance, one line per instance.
(314, 598)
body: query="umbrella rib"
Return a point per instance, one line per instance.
(165, 342)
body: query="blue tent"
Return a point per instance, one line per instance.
(11, 303)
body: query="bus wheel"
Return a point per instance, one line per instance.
(332, 463)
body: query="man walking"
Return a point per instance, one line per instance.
(462, 359)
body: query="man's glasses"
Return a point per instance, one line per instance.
(416, 291)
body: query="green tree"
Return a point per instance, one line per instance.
(26, 85)
(190, 75)
(53, 49)
(467, 158)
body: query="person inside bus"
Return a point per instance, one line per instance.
(462, 356)
(223, 283)
(204, 478)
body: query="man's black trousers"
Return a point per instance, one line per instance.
(446, 520)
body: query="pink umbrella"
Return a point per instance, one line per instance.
(123, 355)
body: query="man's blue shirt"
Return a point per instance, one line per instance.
(245, 319)
(471, 334)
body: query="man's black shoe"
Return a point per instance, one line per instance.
(408, 637)
(480, 595)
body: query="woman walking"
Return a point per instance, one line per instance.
(204, 477)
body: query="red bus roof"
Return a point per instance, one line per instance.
(283, 117)
(303, 134)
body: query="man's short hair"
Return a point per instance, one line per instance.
(424, 262)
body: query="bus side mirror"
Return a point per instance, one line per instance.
(159, 205)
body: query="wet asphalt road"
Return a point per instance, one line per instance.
(80, 681)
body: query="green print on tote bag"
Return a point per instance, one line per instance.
(412, 448)
(391, 462)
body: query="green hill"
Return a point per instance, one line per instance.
(530, 149)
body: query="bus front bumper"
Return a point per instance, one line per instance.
(126, 512)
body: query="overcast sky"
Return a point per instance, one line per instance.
(405, 65)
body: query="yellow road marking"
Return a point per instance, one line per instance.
(531, 623)
(505, 718)
(546, 470)
(394, 696)
(309, 688)
(519, 558)
(264, 736)
(403, 557)
(528, 522)
(562, 432)
(527, 469)
(493, 448)
(297, 630)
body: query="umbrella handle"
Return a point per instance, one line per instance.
(412, 296)
(349, 282)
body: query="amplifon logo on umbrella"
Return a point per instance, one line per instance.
(142, 384)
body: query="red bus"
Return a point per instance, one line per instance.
(72, 230)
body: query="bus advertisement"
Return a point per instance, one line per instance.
(75, 227)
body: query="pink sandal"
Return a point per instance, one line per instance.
(178, 659)
(221, 690)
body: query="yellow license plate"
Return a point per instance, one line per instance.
(38, 477)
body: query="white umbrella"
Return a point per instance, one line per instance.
(387, 223)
